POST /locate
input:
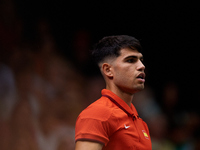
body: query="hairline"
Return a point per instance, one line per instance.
(114, 56)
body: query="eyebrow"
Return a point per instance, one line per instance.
(133, 56)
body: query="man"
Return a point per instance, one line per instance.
(112, 122)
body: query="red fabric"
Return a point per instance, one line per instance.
(104, 122)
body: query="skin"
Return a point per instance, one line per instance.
(87, 145)
(121, 76)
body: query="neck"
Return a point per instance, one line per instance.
(126, 97)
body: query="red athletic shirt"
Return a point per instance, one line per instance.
(110, 121)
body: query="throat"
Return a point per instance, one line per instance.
(125, 96)
(128, 102)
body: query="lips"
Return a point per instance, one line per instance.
(141, 76)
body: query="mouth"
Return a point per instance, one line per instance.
(141, 76)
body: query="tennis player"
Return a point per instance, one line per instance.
(112, 122)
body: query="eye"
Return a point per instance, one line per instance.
(131, 60)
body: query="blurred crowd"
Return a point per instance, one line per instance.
(42, 92)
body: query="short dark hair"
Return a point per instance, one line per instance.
(110, 46)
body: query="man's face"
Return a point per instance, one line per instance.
(128, 71)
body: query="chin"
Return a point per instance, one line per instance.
(138, 89)
(134, 89)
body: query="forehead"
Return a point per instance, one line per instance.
(125, 52)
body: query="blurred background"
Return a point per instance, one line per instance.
(47, 76)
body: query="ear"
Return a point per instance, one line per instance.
(107, 70)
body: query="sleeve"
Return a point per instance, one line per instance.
(90, 129)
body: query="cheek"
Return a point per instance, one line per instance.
(124, 76)
(124, 70)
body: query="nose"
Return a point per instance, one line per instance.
(140, 66)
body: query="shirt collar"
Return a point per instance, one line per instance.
(121, 103)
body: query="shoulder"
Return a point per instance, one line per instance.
(101, 109)
(94, 122)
